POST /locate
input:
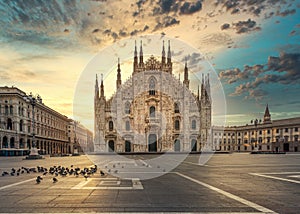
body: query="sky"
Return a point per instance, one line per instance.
(253, 46)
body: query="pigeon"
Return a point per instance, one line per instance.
(45, 173)
(38, 179)
(102, 173)
(55, 180)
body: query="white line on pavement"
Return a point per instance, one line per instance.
(15, 184)
(276, 178)
(280, 173)
(146, 164)
(229, 195)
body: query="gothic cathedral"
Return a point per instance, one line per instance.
(152, 111)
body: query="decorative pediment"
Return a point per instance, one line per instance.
(152, 64)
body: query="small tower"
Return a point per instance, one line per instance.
(96, 88)
(267, 115)
(186, 80)
(101, 87)
(163, 54)
(119, 81)
(205, 103)
(169, 53)
(141, 54)
(135, 61)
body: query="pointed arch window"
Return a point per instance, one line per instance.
(194, 124)
(176, 108)
(127, 126)
(177, 125)
(110, 125)
(127, 108)
(152, 111)
(152, 85)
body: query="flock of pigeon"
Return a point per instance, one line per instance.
(55, 171)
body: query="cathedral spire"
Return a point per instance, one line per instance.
(119, 81)
(207, 86)
(135, 61)
(96, 88)
(135, 49)
(163, 54)
(267, 115)
(102, 87)
(186, 80)
(198, 94)
(202, 87)
(169, 52)
(141, 53)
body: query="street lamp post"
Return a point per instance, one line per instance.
(33, 150)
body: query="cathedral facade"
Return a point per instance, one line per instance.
(152, 111)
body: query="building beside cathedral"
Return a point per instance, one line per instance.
(152, 111)
(261, 135)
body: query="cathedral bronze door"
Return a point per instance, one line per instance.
(177, 145)
(127, 146)
(152, 143)
(194, 145)
(111, 146)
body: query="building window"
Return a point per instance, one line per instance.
(6, 109)
(176, 108)
(9, 124)
(152, 111)
(277, 131)
(127, 126)
(110, 125)
(177, 125)
(268, 147)
(21, 125)
(296, 129)
(152, 86)
(127, 108)
(11, 110)
(269, 131)
(193, 124)
(260, 131)
(296, 138)
(286, 129)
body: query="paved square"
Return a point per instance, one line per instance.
(227, 183)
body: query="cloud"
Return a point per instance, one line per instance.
(286, 12)
(278, 70)
(225, 26)
(190, 8)
(165, 22)
(245, 26)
